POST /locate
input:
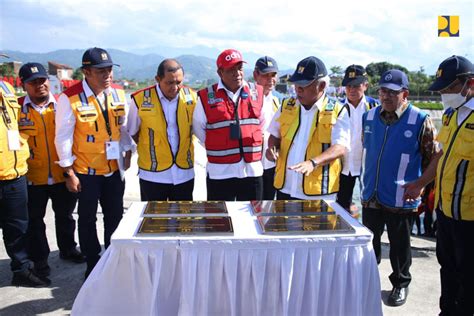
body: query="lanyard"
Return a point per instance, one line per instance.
(105, 114)
(5, 115)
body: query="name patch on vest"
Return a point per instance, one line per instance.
(214, 101)
(86, 108)
(25, 122)
(469, 126)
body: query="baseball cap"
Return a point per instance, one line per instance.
(354, 75)
(32, 71)
(97, 58)
(229, 58)
(449, 70)
(266, 64)
(394, 79)
(307, 71)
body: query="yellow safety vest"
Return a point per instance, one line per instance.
(12, 162)
(40, 129)
(276, 104)
(154, 149)
(91, 133)
(455, 174)
(325, 179)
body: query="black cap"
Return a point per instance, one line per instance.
(266, 64)
(449, 70)
(394, 79)
(32, 71)
(97, 58)
(355, 75)
(308, 70)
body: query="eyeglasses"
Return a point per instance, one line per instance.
(392, 93)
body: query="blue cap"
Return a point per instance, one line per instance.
(97, 58)
(266, 64)
(31, 71)
(308, 70)
(449, 70)
(394, 79)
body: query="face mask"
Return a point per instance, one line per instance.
(453, 100)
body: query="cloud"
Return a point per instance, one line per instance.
(340, 32)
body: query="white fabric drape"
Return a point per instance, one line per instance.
(244, 274)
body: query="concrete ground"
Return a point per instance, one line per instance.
(67, 277)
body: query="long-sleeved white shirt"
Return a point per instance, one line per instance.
(340, 135)
(66, 122)
(240, 169)
(173, 175)
(268, 112)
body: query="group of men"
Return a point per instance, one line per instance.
(311, 146)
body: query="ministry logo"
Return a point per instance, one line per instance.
(448, 26)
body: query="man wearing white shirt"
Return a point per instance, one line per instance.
(308, 137)
(265, 75)
(45, 177)
(90, 139)
(356, 83)
(160, 121)
(228, 120)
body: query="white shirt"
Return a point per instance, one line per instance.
(268, 112)
(340, 135)
(173, 175)
(216, 171)
(464, 110)
(65, 125)
(352, 161)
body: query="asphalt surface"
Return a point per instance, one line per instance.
(67, 277)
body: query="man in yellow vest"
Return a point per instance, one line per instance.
(45, 177)
(309, 136)
(266, 75)
(13, 190)
(91, 137)
(454, 170)
(160, 121)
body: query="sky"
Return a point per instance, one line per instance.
(340, 33)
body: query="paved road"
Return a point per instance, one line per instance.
(67, 277)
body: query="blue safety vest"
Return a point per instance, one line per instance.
(391, 156)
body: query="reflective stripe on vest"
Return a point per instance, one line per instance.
(228, 123)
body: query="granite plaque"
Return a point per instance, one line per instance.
(184, 208)
(304, 224)
(180, 225)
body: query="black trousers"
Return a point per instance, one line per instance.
(152, 191)
(63, 203)
(268, 188)
(346, 189)
(109, 192)
(284, 196)
(455, 253)
(235, 189)
(398, 230)
(14, 221)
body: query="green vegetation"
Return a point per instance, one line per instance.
(429, 105)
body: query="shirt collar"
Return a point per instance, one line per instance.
(162, 96)
(317, 105)
(398, 111)
(88, 91)
(220, 85)
(51, 99)
(469, 104)
(363, 101)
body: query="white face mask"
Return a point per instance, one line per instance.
(453, 100)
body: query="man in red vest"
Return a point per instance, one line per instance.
(228, 120)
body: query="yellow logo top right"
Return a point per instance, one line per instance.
(448, 26)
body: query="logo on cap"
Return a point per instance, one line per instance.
(439, 73)
(269, 64)
(233, 55)
(388, 77)
(104, 56)
(300, 69)
(448, 26)
(34, 69)
(352, 74)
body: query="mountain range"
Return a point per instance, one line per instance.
(134, 66)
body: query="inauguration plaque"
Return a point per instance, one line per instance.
(304, 224)
(299, 207)
(184, 208)
(180, 225)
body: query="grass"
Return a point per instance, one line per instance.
(429, 105)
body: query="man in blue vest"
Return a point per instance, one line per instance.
(398, 145)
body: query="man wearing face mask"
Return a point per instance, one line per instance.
(454, 170)
(398, 145)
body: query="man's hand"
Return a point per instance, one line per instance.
(272, 153)
(127, 160)
(305, 167)
(73, 184)
(413, 191)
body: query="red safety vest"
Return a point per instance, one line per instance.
(222, 120)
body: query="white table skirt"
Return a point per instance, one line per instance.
(244, 274)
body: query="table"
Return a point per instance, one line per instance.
(244, 274)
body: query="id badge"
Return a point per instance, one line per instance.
(234, 131)
(112, 150)
(13, 140)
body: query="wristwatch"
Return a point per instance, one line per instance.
(66, 174)
(313, 162)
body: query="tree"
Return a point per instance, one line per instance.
(77, 74)
(6, 70)
(375, 70)
(336, 75)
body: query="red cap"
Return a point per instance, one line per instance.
(229, 58)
